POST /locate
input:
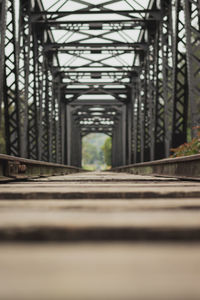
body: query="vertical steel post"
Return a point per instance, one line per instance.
(11, 97)
(39, 96)
(151, 85)
(159, 101)
(147, 129)
(54, 114)
(141, 103)
(3, 15)
(129, 124)
(136, 127)
(144, 109)
(58, 121)
(192, 22)
(49, 112)
(63, 127)
(28, 108)
(180, 80)
(167, 70)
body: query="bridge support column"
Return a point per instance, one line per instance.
(159, 140)
(129, 131)
(180, 81)
(63, 131)
(74, 146)
(136, 127)
(167, 71)
(119, 141)
(3, 15)
(11, 96)
(192, 17)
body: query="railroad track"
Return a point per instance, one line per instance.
(108, 235)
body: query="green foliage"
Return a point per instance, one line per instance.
(107, 149)
(90, 167)
(96, 151)
(190, 148)
(92, 154)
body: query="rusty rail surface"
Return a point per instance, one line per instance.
(16, 168)
(186, 167)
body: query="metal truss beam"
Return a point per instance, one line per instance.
(167, 71)
(79, 46)
(60, 14)
(192, 17)
(117, 72)
(11, 96)
(27, 101)
(112, 67)
(180, 80)
(104, 103)
(95, 91)
(3, 15)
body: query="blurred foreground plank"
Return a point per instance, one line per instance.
(134, 238)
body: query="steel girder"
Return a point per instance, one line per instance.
(11, 86)
(29, 91)
(147, 99)
(27, 101)
(162, 108)
(3, 15)
(192, 21)
(167, 71)
(180, 80)
(136, 122)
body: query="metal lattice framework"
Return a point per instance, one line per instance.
(69, 68)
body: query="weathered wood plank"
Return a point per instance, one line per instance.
(77, 222)
(108, 213)
(100, 272)
(98, 192)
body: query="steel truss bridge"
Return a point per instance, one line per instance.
(122, 68)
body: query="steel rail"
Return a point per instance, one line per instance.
(186, 167)
(17, 168)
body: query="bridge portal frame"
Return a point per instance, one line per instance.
(162, 98)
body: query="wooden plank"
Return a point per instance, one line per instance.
(104, 177)
(103, 205)
(104, 236)
(98, 191)
(71, 220)
(110, 271)
(100, 186)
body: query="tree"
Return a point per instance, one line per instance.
(90, 153)
(107, 149)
